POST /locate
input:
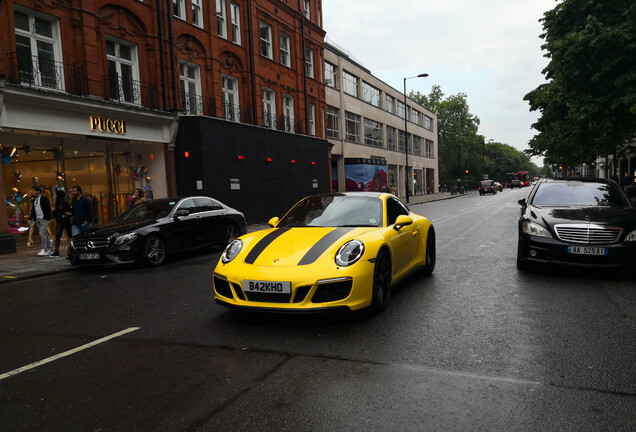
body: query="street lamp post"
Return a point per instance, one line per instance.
(406, 135)
(483, 153)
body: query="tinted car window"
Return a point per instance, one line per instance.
(207, 204)
(334, 211)
(188, 204)
(394, 208)
(151, 209)
(579, 194)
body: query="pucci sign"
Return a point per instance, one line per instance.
(107, 125)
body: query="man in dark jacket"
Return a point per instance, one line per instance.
(82, 211)
(41, 217)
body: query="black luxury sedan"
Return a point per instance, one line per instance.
(586, 222)
(153, 229)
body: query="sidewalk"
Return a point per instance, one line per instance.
(25, 264)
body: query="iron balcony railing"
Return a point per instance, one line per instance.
(130, 91)
(33, 71)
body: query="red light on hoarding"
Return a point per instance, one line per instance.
(269, 159)
(313, 162)
(293, 161)
(152, 157)
(187, 154)
(241, 157)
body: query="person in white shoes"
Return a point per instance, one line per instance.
(41, 217)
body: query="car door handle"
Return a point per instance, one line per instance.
(414, 233)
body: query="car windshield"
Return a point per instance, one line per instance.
(152, 209)
(334, 211)
(576, 193)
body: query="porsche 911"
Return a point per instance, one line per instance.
(338, 251)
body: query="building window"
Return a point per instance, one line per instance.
(312, 119)
(416, 116)
(221, 27)
(307, 9)
(331, 75)
(38, 49)
(417, 145)
(197, 16)
(288, 112)
(266, 40)
(235, 16)
(179, 8)
(401, 111)
(401, 141)
(372, 133)
(390, 138)
(352, 127)
(231, 107)
(269, 108)
(333, 122)
(370, 94)
(309, 62)
(390, 104)
(350, 84)
(284, 49)
(123, 71)
(428, 123)
(190, 79)
(430, 152)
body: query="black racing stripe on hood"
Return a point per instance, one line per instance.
(322, 245)
(263, 243)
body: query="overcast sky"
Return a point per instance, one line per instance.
(488, 49)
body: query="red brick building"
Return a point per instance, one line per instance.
(92, 93)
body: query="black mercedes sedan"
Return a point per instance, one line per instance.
(586, 222)
(150, 231)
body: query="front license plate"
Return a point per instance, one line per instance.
(582, 250)
(89, 256)
(267, 287)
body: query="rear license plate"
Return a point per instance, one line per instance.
(267, 286)
(582, 250)
(89, 256)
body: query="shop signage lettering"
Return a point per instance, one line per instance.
(108, 125)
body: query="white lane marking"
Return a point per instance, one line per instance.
(467, 208)
(478, 204)
(67, 353)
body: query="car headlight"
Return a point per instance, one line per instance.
(126, 238)
(631, 236)
(535, 229)
(231, 251)
(349, 253)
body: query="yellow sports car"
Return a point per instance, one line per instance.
(329, 252)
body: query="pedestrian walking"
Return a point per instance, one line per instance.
(62, 215)
(81, 211)
(41, 217)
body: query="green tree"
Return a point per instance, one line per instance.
(588, 105)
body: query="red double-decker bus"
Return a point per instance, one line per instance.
(509, 177)
(524, 178)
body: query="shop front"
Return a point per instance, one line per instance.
(108, 152)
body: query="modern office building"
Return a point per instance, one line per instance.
(221, 98)
(366, 124)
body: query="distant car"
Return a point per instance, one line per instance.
(152, 230)
(339, 251)
(516, 183)
(487, 186)
(499, 186)
(578, 222)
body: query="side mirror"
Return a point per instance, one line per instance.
(273, 222)
(402, 221)
(181, 213)
(522, 202)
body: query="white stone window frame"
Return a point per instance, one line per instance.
(288, 112)
(197, 13)
(265, 32)
(307, 8)
(33, 37)
(284, 49)
(235, 19)
(312, 119)
(185, 91)
(309, 62)
(178, 9)
(221, 19)
(133, 63)
(231, 107)
(269, 107)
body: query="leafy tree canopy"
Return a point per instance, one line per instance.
(588, 105)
